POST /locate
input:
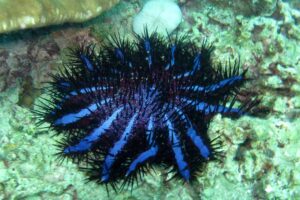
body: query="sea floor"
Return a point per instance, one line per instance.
(262, 153)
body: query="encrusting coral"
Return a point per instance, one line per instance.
(16, 15)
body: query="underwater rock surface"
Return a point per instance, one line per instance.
(16, 15)
(262, 154)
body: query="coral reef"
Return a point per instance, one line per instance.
(16, 15)
(262, 154)
(264, 162)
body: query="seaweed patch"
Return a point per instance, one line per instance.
(132, 105)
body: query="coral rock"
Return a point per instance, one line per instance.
(31, 13)
(160, 16)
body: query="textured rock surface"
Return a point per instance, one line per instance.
(21, 14)
(262, 154)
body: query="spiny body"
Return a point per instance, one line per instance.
(135, 104)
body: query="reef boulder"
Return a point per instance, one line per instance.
(16, 15)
